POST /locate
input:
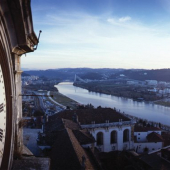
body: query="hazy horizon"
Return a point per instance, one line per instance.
(101, 34)
(36, 69)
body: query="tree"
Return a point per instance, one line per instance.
(144, 124)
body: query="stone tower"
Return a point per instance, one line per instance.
(17, 37)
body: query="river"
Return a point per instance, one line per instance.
(143, 110)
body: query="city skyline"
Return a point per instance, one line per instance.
(101, 34)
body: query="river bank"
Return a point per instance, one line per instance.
(144, 110)
(163, 103)
(136, 94)
(63, 100)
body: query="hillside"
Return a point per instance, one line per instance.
(159, 75)
(69, 73)
(25, 74)
(103, 73)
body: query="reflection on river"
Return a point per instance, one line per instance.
(144, 110)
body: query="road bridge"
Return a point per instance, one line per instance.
(78, 79)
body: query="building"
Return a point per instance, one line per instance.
(152, 82)
(133, 82)
(69, 144)
(147, 139)
(110, 129)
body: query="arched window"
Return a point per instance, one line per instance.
(126, 135)
(113, 137)
(100, 138)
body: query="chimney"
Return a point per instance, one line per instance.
(75, 118)
(83, 162)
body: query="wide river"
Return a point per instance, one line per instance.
(143, 110)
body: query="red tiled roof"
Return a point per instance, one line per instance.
(154, 137)
(71, 125)
(87, 116)
(83, 136)
(166, 137)
(59, 124)
(155, 162)
(79, 150)
(145, 129)
(66, 154)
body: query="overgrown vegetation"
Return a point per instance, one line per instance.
(119, 89)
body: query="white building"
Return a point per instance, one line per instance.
(147, 139)
(110, 129)
(164, 91)
(153, 90)
(152, 82)
(112, 136)
(163, 83)
(132, 82)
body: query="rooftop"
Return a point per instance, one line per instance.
(88, 116)
(83, 136)
(154, 137)
(155, 162)
(145, 129)
(67, 153)
(60, 124)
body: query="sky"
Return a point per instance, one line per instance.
(101, 34)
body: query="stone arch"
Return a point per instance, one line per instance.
(126, 135)
(113, 137)
(99, 138)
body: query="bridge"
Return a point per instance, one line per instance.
(78, 79)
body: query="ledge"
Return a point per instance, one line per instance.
(28, 163)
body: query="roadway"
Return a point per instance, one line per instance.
(48, 94)
(38, 102)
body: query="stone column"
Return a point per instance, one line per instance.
(106, 140)
(120, 139)
(18, 107)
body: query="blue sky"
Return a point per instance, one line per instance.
(101, 34)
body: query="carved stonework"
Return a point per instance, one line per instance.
(17, 37)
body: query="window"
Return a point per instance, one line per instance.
(113, 137)
(126, 135)
(100, 138)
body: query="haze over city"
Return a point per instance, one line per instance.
(101, 34)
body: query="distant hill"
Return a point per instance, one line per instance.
(25, 74)
(92, 76)
(159, 74)
(103, 73)
(69, 73)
